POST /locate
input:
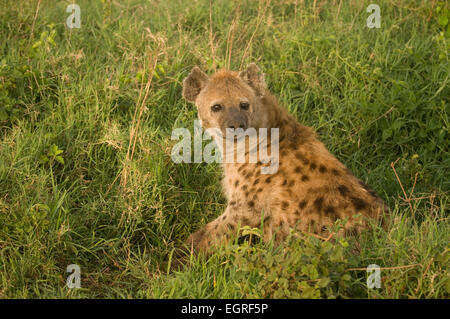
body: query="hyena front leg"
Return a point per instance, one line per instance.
(221, 229)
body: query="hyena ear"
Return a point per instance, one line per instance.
(254, 77)
(194, 83)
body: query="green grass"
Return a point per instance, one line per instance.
(374, 96)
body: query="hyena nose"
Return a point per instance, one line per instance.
(237, 124)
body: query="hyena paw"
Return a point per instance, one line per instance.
(197, 241)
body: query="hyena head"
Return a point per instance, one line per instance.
(228, 99)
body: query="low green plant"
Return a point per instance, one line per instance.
(301, 268)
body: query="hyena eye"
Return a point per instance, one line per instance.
(216, 107)
(244, 106)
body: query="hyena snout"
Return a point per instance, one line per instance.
(235, 124)
(236, 121)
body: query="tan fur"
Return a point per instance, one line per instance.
(311, 188)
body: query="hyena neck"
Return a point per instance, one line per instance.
(289, 128)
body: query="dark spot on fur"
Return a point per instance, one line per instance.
(236, 183)
(268, 180)
(291, 183)
(256, 181)
(305, 178)
(284, 205)
(241, 168)
(244, 187)
(318, 203)
(302, 204)
(329, 210)
(259, 190)
(297, 213)
(298, 169)
(302, 158)
(322, 169)
(232, 203)
(335, 172)
(358, 203)
(284, 183)
(305, 160)
(267, 219)
(313, 166)
(249, 174)
(251, 203)
(343, 190)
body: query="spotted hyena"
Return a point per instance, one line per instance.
(309, 190)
